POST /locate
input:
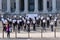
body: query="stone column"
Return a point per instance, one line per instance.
(0, 5)
(53, 5)
(36, 6)
(17, 7)
(45, 6)
(8, 6)
(25, 6)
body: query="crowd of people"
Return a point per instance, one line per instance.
(24, 23)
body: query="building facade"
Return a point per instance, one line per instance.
(29, 6)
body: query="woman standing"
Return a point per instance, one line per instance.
(8, 30)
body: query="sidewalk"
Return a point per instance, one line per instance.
(32, 35)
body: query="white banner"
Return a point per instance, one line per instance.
(32, 15)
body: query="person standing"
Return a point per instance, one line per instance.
(51, 24)
(18, 24)
(14, 23)
(3, 23)
(37, 21)
(10, 23)
(55, 21)
(50, 16)
(48, 22)
(28, 25)
(34, 25)
(44, 24)
(42, 21)
(21, 23)
(8, 29)
(24, 20)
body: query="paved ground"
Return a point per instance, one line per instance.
(34, 39)
(36, 35)
(32, 35)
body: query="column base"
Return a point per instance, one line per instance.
(1, 12)
(54, 11)
(17, 12)
(8, 12)
(36, 11)
(44, 11)
(25, 11)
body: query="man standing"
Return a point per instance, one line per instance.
(21, 22)
(37, 21)
(44, 24)
(3, 23)
(50, 16)
(18, 24)
(55, 21)
(34, 25)
(28, 25)
(48, 22)
(24, 20)
(42, 21)
(14, 23)
(52, 23)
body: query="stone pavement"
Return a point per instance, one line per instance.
(32, 35)
(34, 39)
(48, 35)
